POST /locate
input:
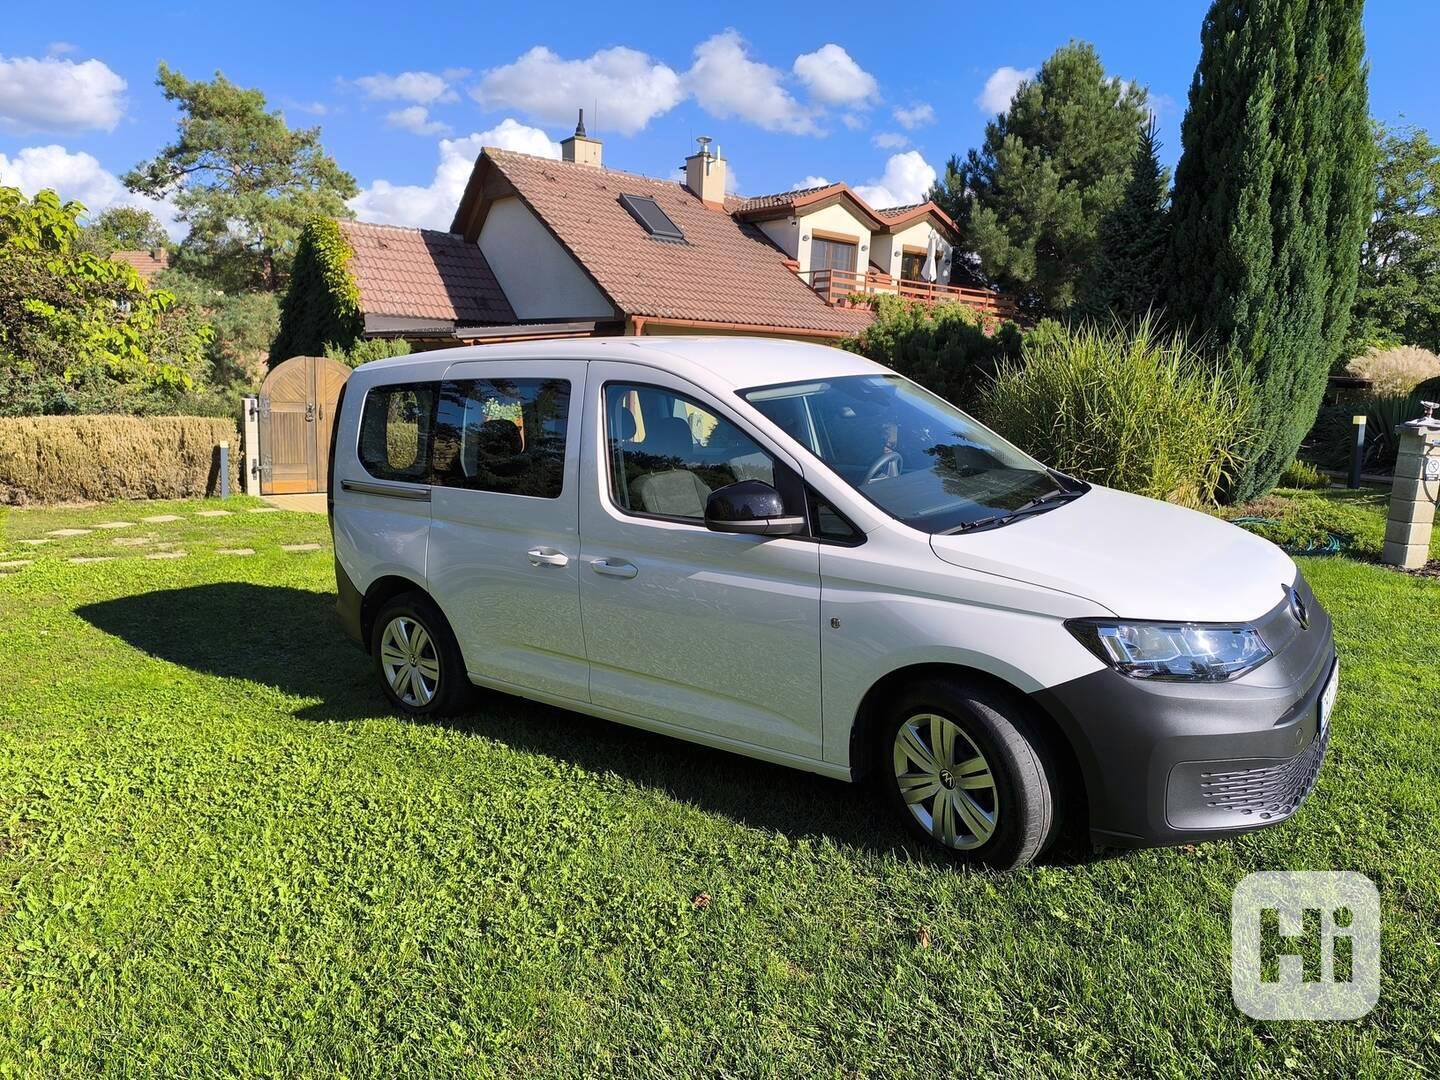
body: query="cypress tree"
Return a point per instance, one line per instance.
(1127, 276)
(1271, 195)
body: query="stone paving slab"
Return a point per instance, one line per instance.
(299, 547)
(212, 513)
(116, 525)
(160, 519)
(130, 541)
(14, 564)
(264, 510)
(166, 555)
(234, 551)
(69, 532)
(37, 542)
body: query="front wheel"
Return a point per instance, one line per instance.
(418, 661)
(965, 768)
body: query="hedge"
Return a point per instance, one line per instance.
(83, 458)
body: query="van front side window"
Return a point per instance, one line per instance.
(668, 453)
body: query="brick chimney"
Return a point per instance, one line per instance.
(580, 148)
(705, 173)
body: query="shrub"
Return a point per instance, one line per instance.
(362, 352)
(944, 347)
(322, 303)
(73, 458)
(1301, 474)
(1395, 371)
(1128, 407)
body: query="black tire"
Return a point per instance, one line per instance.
(450, 691)
(1025, 780)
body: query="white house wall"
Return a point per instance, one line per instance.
(837, 220)
(538, 276)
(890, 246)
(785, 236)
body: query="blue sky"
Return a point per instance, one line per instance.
(406, 93)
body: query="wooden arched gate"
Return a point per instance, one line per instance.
(297, 412)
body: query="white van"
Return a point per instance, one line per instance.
(792, 553)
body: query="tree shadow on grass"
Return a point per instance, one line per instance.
(290, 639)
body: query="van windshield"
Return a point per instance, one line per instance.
(912, 454)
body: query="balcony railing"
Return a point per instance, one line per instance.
(842, 286)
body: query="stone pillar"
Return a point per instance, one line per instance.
(250, 461)
(1413, 495)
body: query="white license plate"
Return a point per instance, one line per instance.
(1327, 697)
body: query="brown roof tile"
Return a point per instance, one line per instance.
(146, 263)
(724, 272)
(423, 274)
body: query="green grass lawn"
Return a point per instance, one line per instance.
(220, 854)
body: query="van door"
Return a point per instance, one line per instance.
(504, 560)
(714, 632)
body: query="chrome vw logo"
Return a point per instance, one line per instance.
(1297, 607)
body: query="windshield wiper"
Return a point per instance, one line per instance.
(1034, 506)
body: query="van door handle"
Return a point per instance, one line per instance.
(547, 557)
(616, 568)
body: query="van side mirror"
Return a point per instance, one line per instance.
(752, 507)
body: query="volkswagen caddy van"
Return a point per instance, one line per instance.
(792, 553)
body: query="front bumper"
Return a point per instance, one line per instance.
(1174, 762)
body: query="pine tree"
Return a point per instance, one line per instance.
(1126, 278)
(1052, 166)
(1271, 195)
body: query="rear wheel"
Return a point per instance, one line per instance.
(416, 656)
(965, 768)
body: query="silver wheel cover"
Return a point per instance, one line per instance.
(946, 782)
(410, 661)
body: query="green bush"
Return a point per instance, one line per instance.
(1125, 406)
(96, 458)
(1301, 474)
(1386, 413)
(943, 347)
(362, 352)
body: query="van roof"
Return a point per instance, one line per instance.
(739, 362)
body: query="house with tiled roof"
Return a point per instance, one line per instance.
(145, 263)
(547, 248)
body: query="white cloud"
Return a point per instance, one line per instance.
(809, 182)
(421, 87)
(917, 115)
(59, 48)
(416, 120)
(1000, 88)
(834, 78)
(433, 206)
(310, 108)
(890, 140)
(726, 83)
(51, 94)
(78, 176)
(624, 86)
(907, 179)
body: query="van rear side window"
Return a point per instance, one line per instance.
(395, 432)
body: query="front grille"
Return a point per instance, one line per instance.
(1269, 793)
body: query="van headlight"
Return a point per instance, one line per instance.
(1201, 652)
